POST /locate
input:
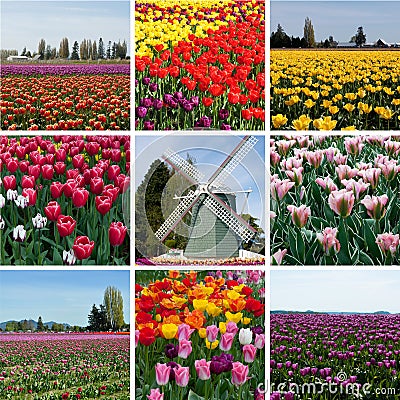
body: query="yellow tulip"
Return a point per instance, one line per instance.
(233, 317)
(169, 330)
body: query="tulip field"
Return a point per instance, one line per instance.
(64, 366)
(335, 200)
(65, 97)
(64, 200)
(335, 90)
(321, 356)
(200, 335)
(200, 65)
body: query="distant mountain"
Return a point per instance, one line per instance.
(34, 323)
(329, 313)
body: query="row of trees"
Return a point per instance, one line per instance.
(29, 325)
(280, 38)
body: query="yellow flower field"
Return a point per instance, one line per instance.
(335, 90)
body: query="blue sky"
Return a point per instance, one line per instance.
(24, 23)
(61, 296)
(336, 291)
(210, 152)
(380, 19)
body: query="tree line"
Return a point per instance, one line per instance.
(280, 39)
(109, 316)
(86, 50)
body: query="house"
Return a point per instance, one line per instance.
(18, 58)
(381, 43)
(346, 45)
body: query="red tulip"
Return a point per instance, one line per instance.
(31, 194)
(56, 189)
(12, 165)
(69, 187)
(83, 247)
(113, 171)
(23, 166)
(103, 204)
(65, 225)
(117, 233)
(80, 197)
(78, 161)
(59, 168)
(207, 101)
(96, 185)
(111, 191)
(52, 211)
(34, 170)
(9, 182)
(61, 155)
(48, 172)
(28, 181)
(92, 148)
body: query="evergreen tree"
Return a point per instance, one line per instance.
(64, 48)
(75, 49)
(309, 33)
(109, 50)
(40, 326)
(23, 51)
(114, 307)
(280, 38)
(360, 37)
(114, 51)
(100, 50)
(94, 51)
(93, 319)
(47, 54)
(103, 324)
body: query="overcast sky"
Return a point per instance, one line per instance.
(60, 296)
(24, 23)
(336, 291)
(210, 152)
(380, 19)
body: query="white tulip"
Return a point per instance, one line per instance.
(39, 221)
(245, 336)
(2, 223)
(19, 233)
(69, 257)
(11, 194)
(2, 201)
(21, 201)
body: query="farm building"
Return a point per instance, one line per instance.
(346, 45)
(18, 58)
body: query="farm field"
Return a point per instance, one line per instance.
(64, 200)
(335, 90)
(64, 366)
(200, 65)
(200, 335)
(322, 356)
(65, 97)
(335, 200)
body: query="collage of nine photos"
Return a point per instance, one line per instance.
(257, 263)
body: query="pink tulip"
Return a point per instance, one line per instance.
(358, 187)
(275, 157)
(353, 145)
(284, 146)
(345, 172)
(291, 162)
(375, 206)
(259, 341)
(328, 240)
(341, 202)
(279, 256)
(388, 242)
(184, 332)
(330, 153)
(371, 176)
(212, 333)
(203, 369)
(295, 175)
(185, 348)
(327, 184)
(249, 353)
(389, 169)
(279, 188)
(136, 337)
(155, 395)
(392, 147)
(182, 376)
(239, 373)
(231, 327)
(162, 374)
(226, 341)
(299, 214)
(315, 157)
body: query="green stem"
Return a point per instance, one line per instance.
(240, 392)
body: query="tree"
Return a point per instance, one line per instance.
(93, 319)
(309, 33)
(40, 326)
(75, 49)
(64, 48)
(121, 49)
(361, 37)
(280, 38)
(100, 50)
(53, 53)
(42, 48)
(109, 50)
(47, 54)
(257, 244)
(23, 51)
(94, 51)
(114, 307)
(83, 50)
(326, 43)
(114, 50)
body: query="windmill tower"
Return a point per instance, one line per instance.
(216, 229)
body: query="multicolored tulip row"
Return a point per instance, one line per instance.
(64, 366)
(201, 67)
(63, 199)
(319, 356)
(335, 90)
(200, 335)
(335, 200)
(65, 97)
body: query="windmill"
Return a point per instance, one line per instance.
(216, 229)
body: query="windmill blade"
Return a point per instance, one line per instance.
(180, 165)
(176, 216)
(230, 217)
(232, 161)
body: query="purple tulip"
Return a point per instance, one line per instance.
(141, 112)
(223, 114)
(146, 102)
(153, 87)
(157, 104)
(148, 125)
(171, 351)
